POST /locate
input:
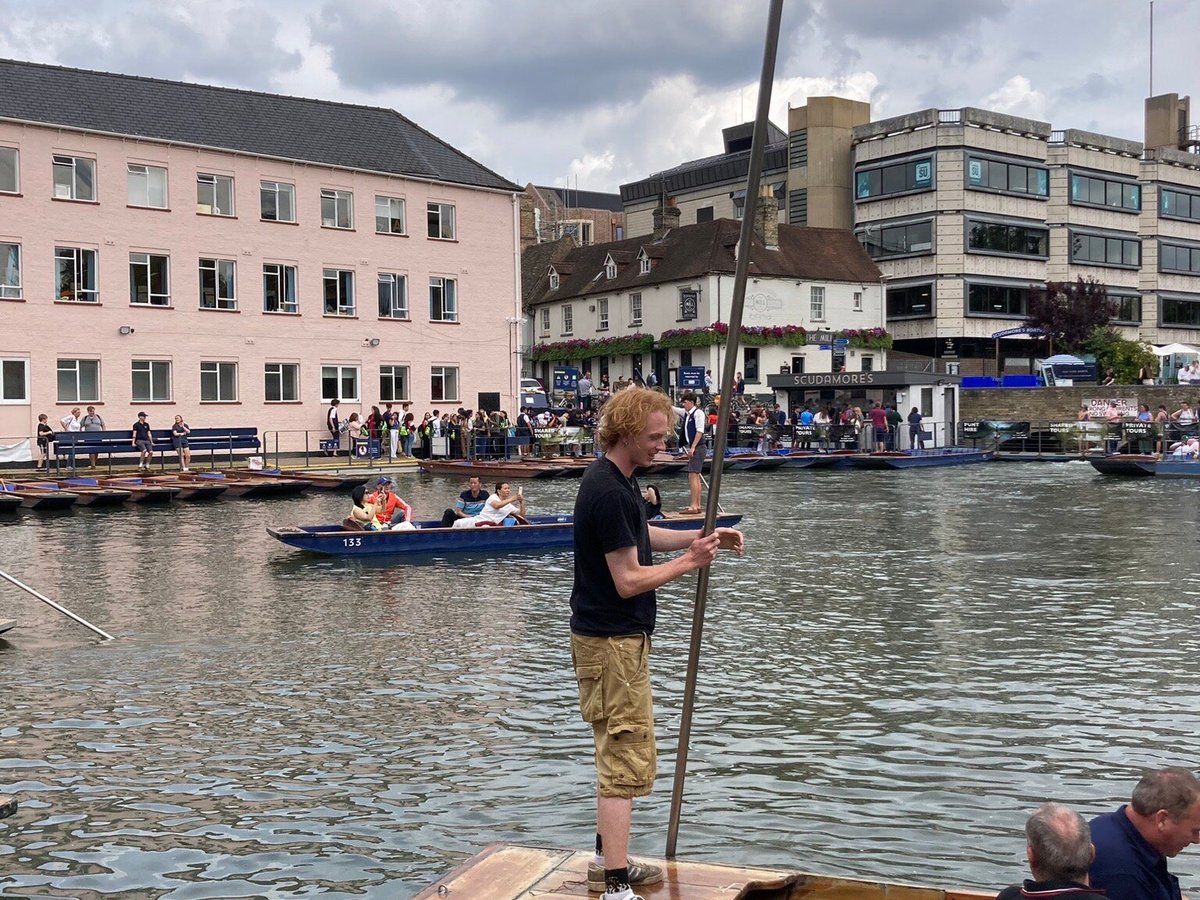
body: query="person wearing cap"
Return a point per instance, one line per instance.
(390, 510)
(143, 439)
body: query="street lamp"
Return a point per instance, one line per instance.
(513, 354)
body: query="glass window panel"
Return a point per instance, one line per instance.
(997, 176)
(1131, 196)
(1131, 253)
(8, 170)
(1112, 193)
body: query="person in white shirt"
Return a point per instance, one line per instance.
(694, 421)
(499, 507)
(71, 423)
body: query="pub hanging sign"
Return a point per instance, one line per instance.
(689, 304)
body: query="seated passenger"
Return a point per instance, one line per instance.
(502, 508)
(469, 504)
(653, 501)
(1059, 849)
(390, 510)
(362, 514)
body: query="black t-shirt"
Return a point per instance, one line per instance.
(1031, 888)
(609, 515)
(141, 431)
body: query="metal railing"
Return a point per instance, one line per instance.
(1074, 439)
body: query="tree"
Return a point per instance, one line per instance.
(1070, 313)
(1126, 358)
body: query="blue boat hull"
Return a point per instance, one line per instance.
(920, 459)
(430, 538)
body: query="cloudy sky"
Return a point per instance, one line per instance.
(608, 91)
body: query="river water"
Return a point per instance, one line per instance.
(899, 669)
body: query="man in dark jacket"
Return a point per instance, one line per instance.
(1059, 849)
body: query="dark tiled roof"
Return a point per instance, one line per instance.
(535, 265)
(573, 199)
(320, 131)
(698, 173)
(810, 254)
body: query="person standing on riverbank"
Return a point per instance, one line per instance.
(613, 612)
(1059, 849)
(1134, 843)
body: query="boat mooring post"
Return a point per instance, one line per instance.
(741, 271)
(62, 609)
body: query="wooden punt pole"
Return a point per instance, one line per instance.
(62, 609)
(741, 271)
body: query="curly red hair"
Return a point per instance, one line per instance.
(625, 414)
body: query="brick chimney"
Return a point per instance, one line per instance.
(529, 235)
(766, 217)
(666, 217)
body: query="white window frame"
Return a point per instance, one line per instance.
(816, 303)
(635, 308)
(441, 221)
(74, 369)
(71, 188)
(610, 268)
(215, 186)
(76, 259)
(858, 301)
(389, 377)
(580, 229)
(395, 284)
(568, 320)
(555, 281)
(141, 193)
(438, 376)
(643, 264)
(388, 217)
(285, 278)
(284, 375)
(155, 371)
(340, 373)
(276, 189)
(10, 252)
(16, 169)
(213, 375)
(337, 207)
(544, 322)
(602, 314)
(343, 305)
(142, 261)
(7, 364)
(223, 273)
(445, 289)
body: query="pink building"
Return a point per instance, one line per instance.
(241, 258)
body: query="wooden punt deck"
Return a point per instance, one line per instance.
(511, 872)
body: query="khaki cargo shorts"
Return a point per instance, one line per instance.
(614, 696)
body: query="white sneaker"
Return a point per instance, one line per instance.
(626, 893)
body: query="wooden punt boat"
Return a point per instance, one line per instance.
(241, 486)
(89, 494)
(188, 490)
(39, 498)
(753, 462)
(7, 625)
(919, 459)
(488, 470)
(510, 872)
(543, 533)
(140, 489)
(315, 482)
(8, 502)
(1137, 465)
(816, 459)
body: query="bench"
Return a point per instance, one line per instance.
(70, 445)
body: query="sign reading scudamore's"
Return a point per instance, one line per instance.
(833, 379)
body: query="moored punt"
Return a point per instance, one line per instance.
(919, 459)
(815, 459)
(1138, 465)
(315, 482)
(488, 470)
(509, 872)
(7, 625)
(140, 490)
(1177, 467)
(542, 533)
(188, 490)
(8, 502)
(244, 486)
(39, 498)
(90, 493)
(753, 462)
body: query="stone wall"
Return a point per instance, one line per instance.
(1062, 404)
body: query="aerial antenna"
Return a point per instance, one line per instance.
(1151, 48)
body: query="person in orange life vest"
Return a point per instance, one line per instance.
(390, 510)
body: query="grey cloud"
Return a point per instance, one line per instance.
(916, 20)
(530, 58)
(231, 45)
(1093, 88)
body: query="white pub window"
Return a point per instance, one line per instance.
(568, 319)
(817, 303)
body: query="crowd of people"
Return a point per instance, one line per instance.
(141, 438)
(383, 509)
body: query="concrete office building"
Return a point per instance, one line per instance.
(241, 258)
